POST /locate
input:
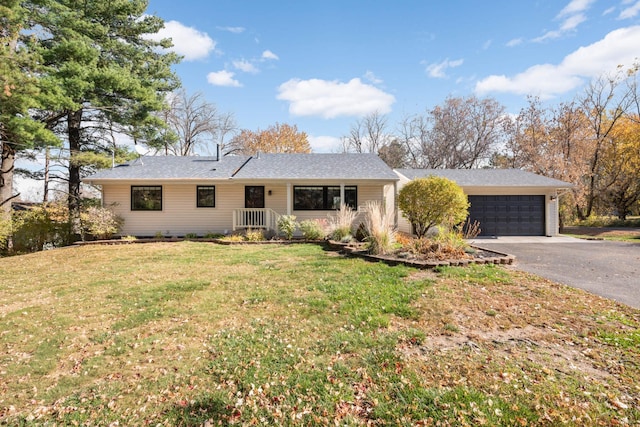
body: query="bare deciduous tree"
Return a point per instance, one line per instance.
(465, 131)
(195, 124)
(368, 134)
(460, 133)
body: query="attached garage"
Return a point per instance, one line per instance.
(509, 215)
(506, 202)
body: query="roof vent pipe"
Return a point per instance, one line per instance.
(218, 152)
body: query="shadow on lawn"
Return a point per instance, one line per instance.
(206, 410)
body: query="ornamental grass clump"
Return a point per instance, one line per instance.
(379, 225)
(341, 223)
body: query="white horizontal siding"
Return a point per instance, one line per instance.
(180, 215)
(277, 200)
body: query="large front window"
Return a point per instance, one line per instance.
(322, 198)
(146, 198)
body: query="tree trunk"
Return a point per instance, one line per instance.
(7, 165)
(45, 195)
(74, 120)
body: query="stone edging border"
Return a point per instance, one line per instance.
(500, 258)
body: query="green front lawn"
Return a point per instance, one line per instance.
(194, 333)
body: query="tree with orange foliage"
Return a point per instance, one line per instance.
(620, 171)
(280, 138)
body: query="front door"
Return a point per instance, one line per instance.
(254, 199)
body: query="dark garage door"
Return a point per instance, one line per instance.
(508, 215)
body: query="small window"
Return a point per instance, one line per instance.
(147, 198)
(316, 198)
(206, 196)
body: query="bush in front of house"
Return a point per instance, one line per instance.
(427, 202)
(312, 229)
(287, 225)
(5, 233)
(252, 235)
(41, 227)
(99, 222)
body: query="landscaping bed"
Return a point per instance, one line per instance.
(475, 255)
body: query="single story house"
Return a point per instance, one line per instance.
(175, 196)
(505, 202)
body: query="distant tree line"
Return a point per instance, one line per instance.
(592, 142)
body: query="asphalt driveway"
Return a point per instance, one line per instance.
(606, 268)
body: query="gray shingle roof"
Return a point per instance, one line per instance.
(317, 166)
(488, 177)
(172, 167)
(264, 166)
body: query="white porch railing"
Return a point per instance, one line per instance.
(255, 218)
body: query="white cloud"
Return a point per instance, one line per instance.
(245, 66)
(486, 45)
(514, 42)
(234, 30)
(324, 144)
(439, 70)
(267, 54)
(187, 41)
(572, 16)
(572, 22)
(370, 76)
(223, 78)
(548, 80)
(331, 99)
(575, 6)
(630, 12)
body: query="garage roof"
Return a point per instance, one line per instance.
(487, 177)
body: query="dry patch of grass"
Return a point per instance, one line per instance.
(199, 334)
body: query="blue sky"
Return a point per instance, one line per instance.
(322, 65)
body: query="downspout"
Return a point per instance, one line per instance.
(395, 203)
